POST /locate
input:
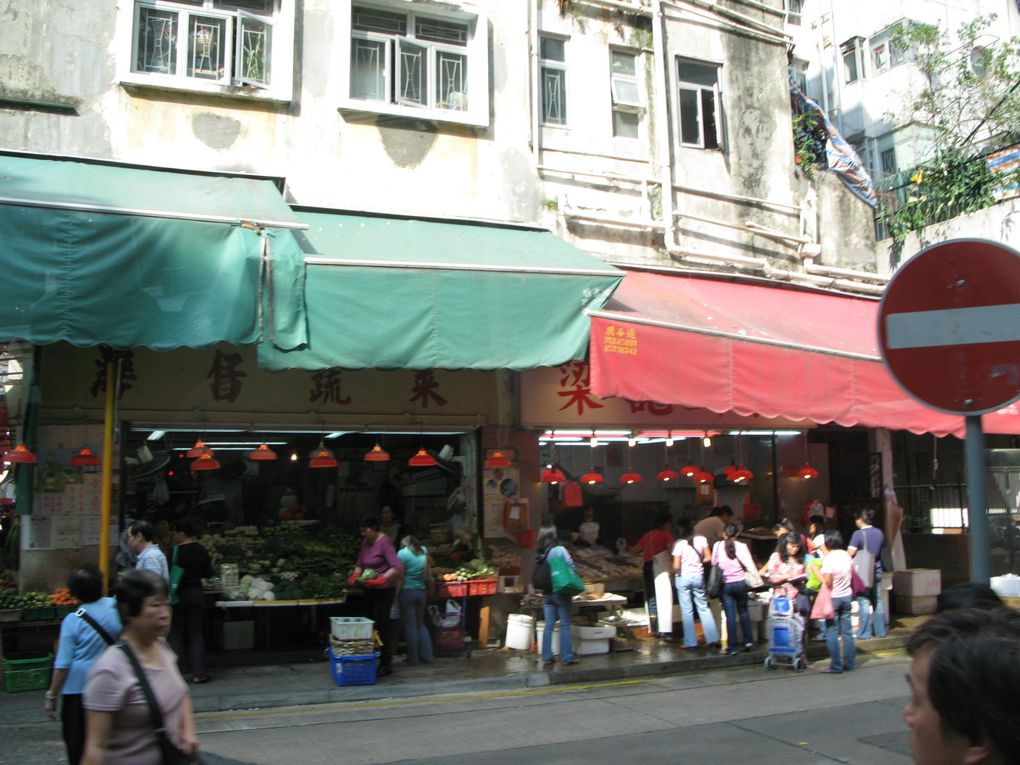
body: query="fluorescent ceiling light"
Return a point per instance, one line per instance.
(156, 435)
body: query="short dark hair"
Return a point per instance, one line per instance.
(185, 526)
(370, 522)
(86, 583)
(867, 515)
(663, 517)
(834, 540)
(974, 673)
(134, 587)
(817, 520)
(967, 595)
(683, 525)
(726, 510)
(144, 528)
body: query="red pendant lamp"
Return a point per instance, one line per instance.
(205, 461)
(703, 476)
(592, 477)
(807, 472)
(198, 449)
(668, 475)
(322, 458)
(377, 454)
(422, 459)
(21, 455)
(741, 475)
(553, 475)
(630, 478)
(85, 458)
(497, 460)
(262, 454)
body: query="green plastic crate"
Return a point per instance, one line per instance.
(27, 674)
(38, 614)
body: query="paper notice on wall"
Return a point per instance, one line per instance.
(65, 532)
(89, 530)
(499, 485)
(35, 533)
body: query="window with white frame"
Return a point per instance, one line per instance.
(794, 11)
(884, 54)
(552, 66)
(203, 43)
(625, 89)
(409, 58)
(853, 59)
(699, 104)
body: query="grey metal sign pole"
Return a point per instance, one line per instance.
(977, 501)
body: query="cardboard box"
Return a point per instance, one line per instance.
(917, 582)
(915, 605)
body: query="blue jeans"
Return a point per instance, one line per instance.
(416, 634)
(868, 603)
(734, 600)
(560, 608)
(692, 588)
(838, 627)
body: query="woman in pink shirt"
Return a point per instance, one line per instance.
(836, 574)
(734, 559)
(378, 553)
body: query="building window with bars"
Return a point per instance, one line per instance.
(205, 42)
(552, 66)
(699, 104)
(409, 59)
(625, 89)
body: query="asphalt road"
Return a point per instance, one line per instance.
(743, 715)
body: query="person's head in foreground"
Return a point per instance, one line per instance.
(965, 682)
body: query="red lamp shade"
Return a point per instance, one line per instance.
(807, 472)
(198, 449)
(21, 454)
(630, 477)
(322, 458)
(741, 475)
(689, 470)
(668, 475)
(85, 458)
(497, 460)
(703, 476)
(553, 476)
(205, 461)
(592, 477)
(263, 453)
(729, 470)
(377, 454)
(422, 459)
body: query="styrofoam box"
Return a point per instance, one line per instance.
(351, 627)
(593, 633)
(1006, 586)
(582, 646)
(590, 647)
(917, 582)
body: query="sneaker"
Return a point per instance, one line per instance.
(570, 663)
(748, 647)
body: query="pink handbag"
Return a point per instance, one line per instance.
(822, 608)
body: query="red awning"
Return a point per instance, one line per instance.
(756, 349)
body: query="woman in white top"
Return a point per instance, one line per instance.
(689, 557)
(836, 575)
(734, 560)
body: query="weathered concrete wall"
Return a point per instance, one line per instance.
(846, 227)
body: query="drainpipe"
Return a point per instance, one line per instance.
(536, 127)
(662, 124)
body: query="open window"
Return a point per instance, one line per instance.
(699, 104)
(416, 60)
(235, 47)
(625, 88)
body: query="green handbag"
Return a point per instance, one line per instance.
(814, 580)
(565, 580)
(176, 574)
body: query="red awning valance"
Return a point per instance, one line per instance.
(756, 349)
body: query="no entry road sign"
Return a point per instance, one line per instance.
(949, 326)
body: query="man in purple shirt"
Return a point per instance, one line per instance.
(870, 606)
(377, 553)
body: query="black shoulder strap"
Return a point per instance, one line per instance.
(150, 699)
(81, 614)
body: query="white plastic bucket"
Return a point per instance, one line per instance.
(540, 627)
(519, 631)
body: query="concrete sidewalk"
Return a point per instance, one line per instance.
(311, 682)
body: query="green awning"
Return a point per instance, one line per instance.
(96, 253)
(386, 293)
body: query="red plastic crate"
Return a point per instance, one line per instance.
(453, 589)
(482, 587)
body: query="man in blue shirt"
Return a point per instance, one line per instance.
(870, 604)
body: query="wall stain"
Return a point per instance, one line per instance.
(214, 130)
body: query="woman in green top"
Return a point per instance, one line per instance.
(412, 600)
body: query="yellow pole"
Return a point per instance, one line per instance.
(107, 495)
